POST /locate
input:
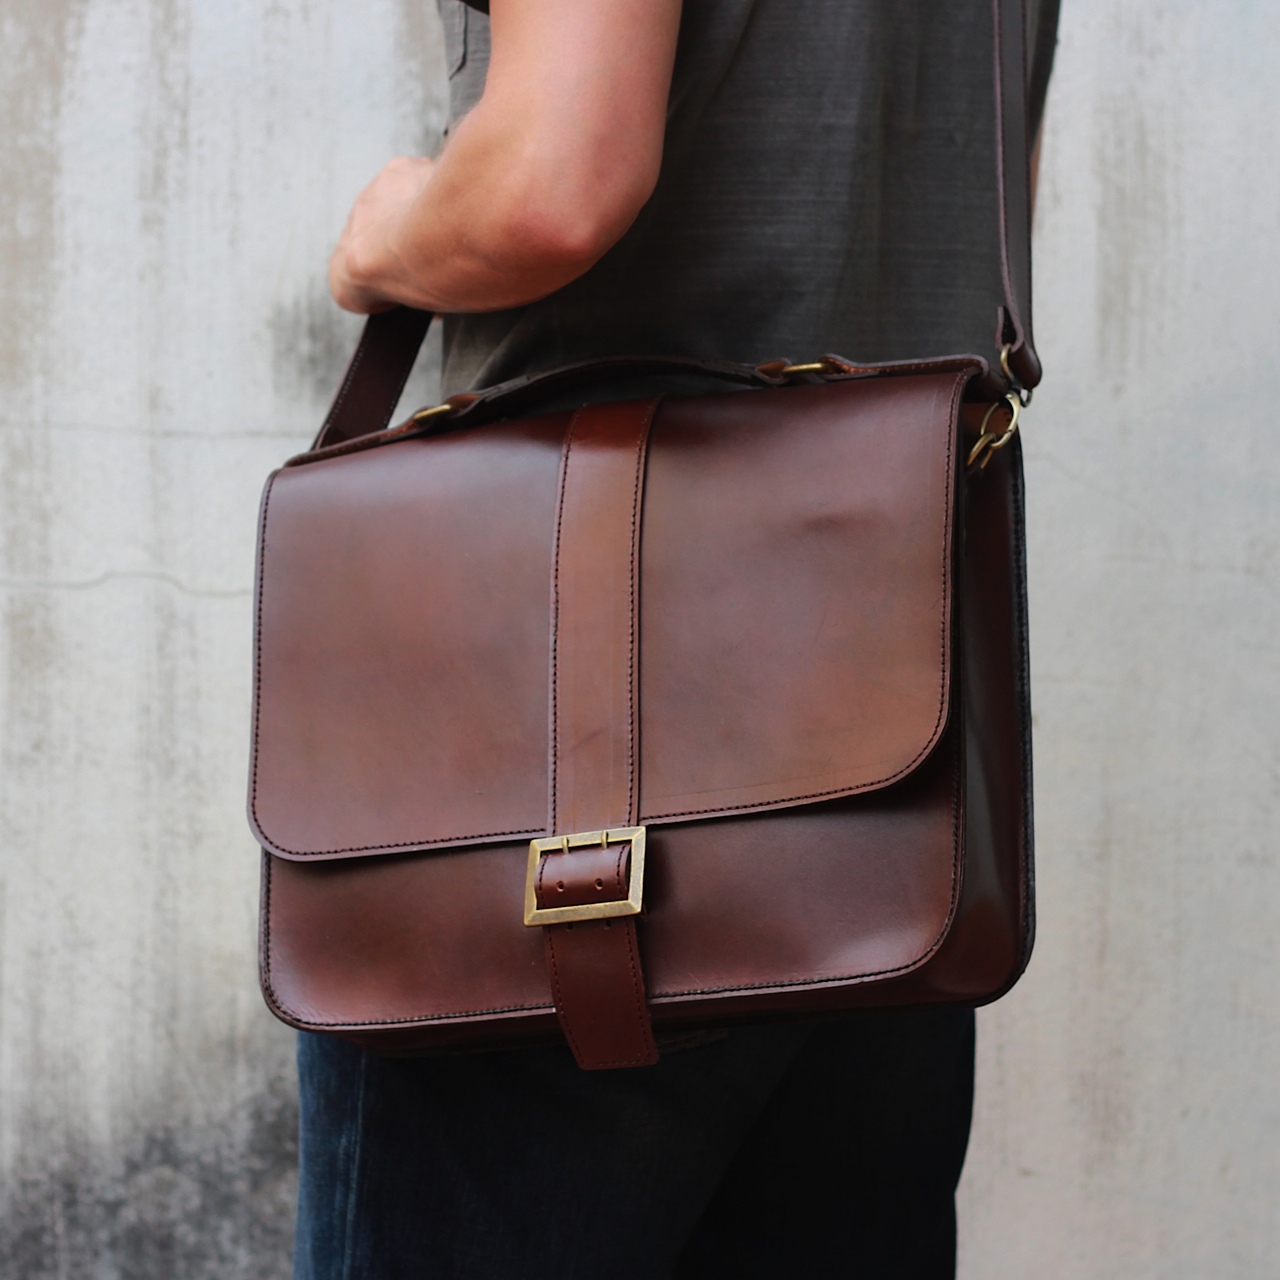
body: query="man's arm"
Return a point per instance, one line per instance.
(539, 181)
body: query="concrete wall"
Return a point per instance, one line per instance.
(171, 174)
(1129, 1114)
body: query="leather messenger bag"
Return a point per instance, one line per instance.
(655, 715)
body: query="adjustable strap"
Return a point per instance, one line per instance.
(586, 878)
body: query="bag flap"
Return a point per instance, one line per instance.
(795, 588)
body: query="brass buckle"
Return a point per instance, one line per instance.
(628, 906)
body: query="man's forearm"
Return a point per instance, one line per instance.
(480, 229)
(539, 181)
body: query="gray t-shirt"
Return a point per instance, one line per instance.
(827, 185)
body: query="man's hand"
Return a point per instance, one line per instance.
(366, 248)
(539, 181)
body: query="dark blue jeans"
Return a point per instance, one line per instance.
(808, 1151)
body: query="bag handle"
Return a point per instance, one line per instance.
(389, 345)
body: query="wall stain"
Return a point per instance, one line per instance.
(147, 1119)
(311, 342)
(1137, 183)
(38, 38)
(166, 1202)
(166, 151)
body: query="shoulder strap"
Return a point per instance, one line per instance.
(1013, 178)
(391, 340)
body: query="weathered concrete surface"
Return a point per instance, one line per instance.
(171, 174)
(1129, 1090)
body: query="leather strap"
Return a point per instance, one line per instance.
(384, 359)
(596, 977)
(376, 376)
(1013, 182)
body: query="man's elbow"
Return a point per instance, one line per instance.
(572, 225)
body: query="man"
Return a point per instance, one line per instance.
(745, 179)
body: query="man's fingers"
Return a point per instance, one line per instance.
(363, 248)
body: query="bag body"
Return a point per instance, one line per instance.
(828, 744)
(654, 715)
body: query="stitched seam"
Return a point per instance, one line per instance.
(395, 400)
(778, 801)
(553, 817)
(257, 646)
(356, 361)
(279, 1007)
(557, 994)
(642, 447)
(636, 984)
(448, 842)
(402, 846)
(265, 926)
(926, 954)
(424, 1020)
(1017, 506)
(638, 996)
(554, 746)
(809, 982)
(898, 368)
(357, 444)
(799, 983)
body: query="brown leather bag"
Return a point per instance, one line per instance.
(653, 715)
